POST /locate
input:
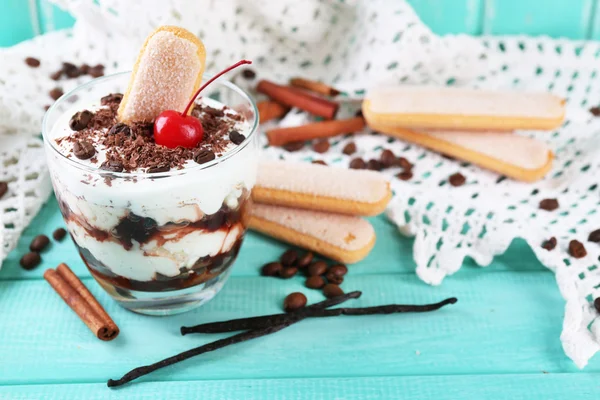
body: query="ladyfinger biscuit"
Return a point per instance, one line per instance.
(168, 71)
(321, 188)
(342, 238)
(462, 109)
(515, 156)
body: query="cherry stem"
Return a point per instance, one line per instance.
(211, 80)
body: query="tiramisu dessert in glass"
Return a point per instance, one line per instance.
(155, 184)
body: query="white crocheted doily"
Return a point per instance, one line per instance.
(356, 45)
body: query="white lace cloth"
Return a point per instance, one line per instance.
(355, 45)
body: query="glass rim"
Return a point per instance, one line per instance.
(96, 170)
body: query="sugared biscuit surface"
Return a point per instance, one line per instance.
(166, 74)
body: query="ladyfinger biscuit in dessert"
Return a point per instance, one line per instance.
(342, 238)
(168, 71)
(515, 156)
(462, 109)
(321, 188)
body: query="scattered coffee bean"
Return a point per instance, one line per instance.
(32, 62)
(305, 260)
(248, 73)
(349, 148)
(597, 304)
(550, 244)
(288, 272)
(320, 162)
(405, 175)
(59, 234)
(120, 128)
(595, 111)
(71, 70)
(374, 165)
(112, 166)
(404, 164)
(236, 137)
(56, 75)
(333, 278)
(549, 204)
(83, 149)
(271, 269)
(293, 146)
(158, 169)
(56, 93)
(46, 107)
(96, 71)
(457, 179)
(317, 268)
(80, 120)
(387, 158)
(358, 163)
(39, 243)
(593, 237)
(289, 257)
(577, 249)
(203, 156)
(85, 69)
(321, 146)
(3, 188)
(294, 301)
(113, 98)
(315, 282)
(338, 269)
(332, 290)
(30, 260)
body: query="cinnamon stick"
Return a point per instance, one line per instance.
(314, 86)
(79, 298)
(281, 136)
(268, 110)
(294, 97)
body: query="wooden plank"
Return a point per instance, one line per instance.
(456, 16)
(392, 252)
(490, 387)
(556, 18)
(16, 22)
(503, 323)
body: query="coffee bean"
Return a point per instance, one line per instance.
(96, 71)
(39, 243)
(549, 244)
(293, 146)
(305, 260)
(338, 269)
(359, 113)
(321, 146)
(203, 156)
(374, 165)
(113, 98)
(80, 120)
(288, 272)
(595, 111)
(56, 93)
(317, 268)
(319, 162)
(549, 204)
(112, 166)
(457, 179)
(597, 304)
(577, 249)
(593, 237)
(332, 290)
(288, 258)
(70, 70)
(46, 107)
(84, 69)
(333, 278)
(358, 163)
(56, 75)
(271, 269)
(404, 164)
(120, 128)
(59, 234)
(236, 137)
(405, 175)
(315, 282)
(248, 73)
(30, 260)
(32, 62)
(387, 158)
(3, 188)
(294, 301)
(349, 148)
(158, 169)
(83, 149)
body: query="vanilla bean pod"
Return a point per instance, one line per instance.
(243, 324)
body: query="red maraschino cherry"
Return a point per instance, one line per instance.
(172, 128)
